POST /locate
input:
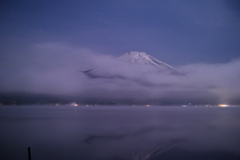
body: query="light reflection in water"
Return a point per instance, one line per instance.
(119, 133)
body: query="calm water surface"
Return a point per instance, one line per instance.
(119, 133)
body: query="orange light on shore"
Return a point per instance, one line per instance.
(223, 105)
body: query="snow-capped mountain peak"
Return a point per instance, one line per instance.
(132, 62)
(135, 57)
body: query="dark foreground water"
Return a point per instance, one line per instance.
(119, 133)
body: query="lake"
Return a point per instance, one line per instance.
(119, 132)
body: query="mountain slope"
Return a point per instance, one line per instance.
(132, 63)
(141, 58)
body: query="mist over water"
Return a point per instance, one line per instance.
(49, 48)
(119, 132)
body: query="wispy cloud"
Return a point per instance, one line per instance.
(55, 68)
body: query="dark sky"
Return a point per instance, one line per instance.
(175, 31)
(44, 44)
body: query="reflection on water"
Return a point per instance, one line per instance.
(119, 133)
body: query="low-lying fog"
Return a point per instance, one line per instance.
(119, 133)
(55, 69)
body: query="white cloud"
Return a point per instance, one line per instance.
(54, 68)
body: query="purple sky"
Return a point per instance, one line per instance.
(175, 31)
(44, 44)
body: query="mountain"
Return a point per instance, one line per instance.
(142, 58)
(132, 63)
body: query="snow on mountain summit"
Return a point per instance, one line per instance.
(131, 63)
(135, 57)
(143, 58)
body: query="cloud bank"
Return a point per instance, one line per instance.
(55, 69)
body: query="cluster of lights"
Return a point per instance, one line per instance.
(223, 105)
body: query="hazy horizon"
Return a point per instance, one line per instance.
(45, 45)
